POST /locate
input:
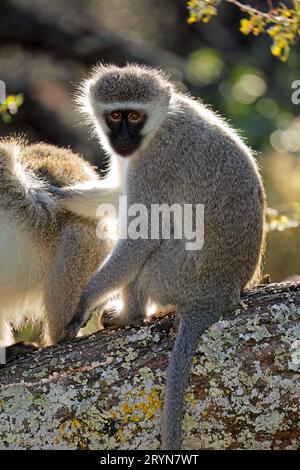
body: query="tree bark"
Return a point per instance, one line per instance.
(105, 391)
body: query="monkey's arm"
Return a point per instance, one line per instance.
(84, 199)
(123, 265)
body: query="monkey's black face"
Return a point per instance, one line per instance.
(125, 130)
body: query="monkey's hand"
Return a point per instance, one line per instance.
(79, 320)
(71, 330)
(81, 316)
(56, 191)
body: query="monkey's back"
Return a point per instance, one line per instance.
(57, 166)
(26, 173)
(224, 177)
(200, 160)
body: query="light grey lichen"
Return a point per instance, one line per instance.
(244, 391)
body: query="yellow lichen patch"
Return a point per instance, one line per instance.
(154, 403)
(121, 436)
(57, 440)
(138, 406)
(135, 418)
(75, 423)
(126, 409)
(114, 415)
(62, 428)
(83, 445)
(144, 407)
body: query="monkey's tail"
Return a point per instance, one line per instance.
(85, 199)
(20, 191)
(193, 323)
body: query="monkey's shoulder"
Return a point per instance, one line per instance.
(194, 125)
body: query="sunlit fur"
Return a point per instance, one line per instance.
(188, 155)
(46, 253)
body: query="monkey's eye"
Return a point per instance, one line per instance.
(116, 116)
(135, 117)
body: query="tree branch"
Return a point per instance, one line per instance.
(105, 391)
(271, 15)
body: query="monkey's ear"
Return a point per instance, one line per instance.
(168, 90)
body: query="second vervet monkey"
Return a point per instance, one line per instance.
(47, 253)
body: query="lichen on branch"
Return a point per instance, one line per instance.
(105, 391)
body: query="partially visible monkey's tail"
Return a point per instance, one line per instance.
(20, 191)
(193, 323)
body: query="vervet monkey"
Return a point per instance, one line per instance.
(176, 151)
(47, 254)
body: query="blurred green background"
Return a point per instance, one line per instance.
(46, 47)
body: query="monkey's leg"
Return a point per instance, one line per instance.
(133, 311)
(75, 260)
(120, 269)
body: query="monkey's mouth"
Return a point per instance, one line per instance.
(125, 150)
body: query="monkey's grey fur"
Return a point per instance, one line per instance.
(187, 155)
(47, 253)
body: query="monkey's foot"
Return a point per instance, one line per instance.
(112, 317)
(19, 349)
(115, 318)
(175, 327)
